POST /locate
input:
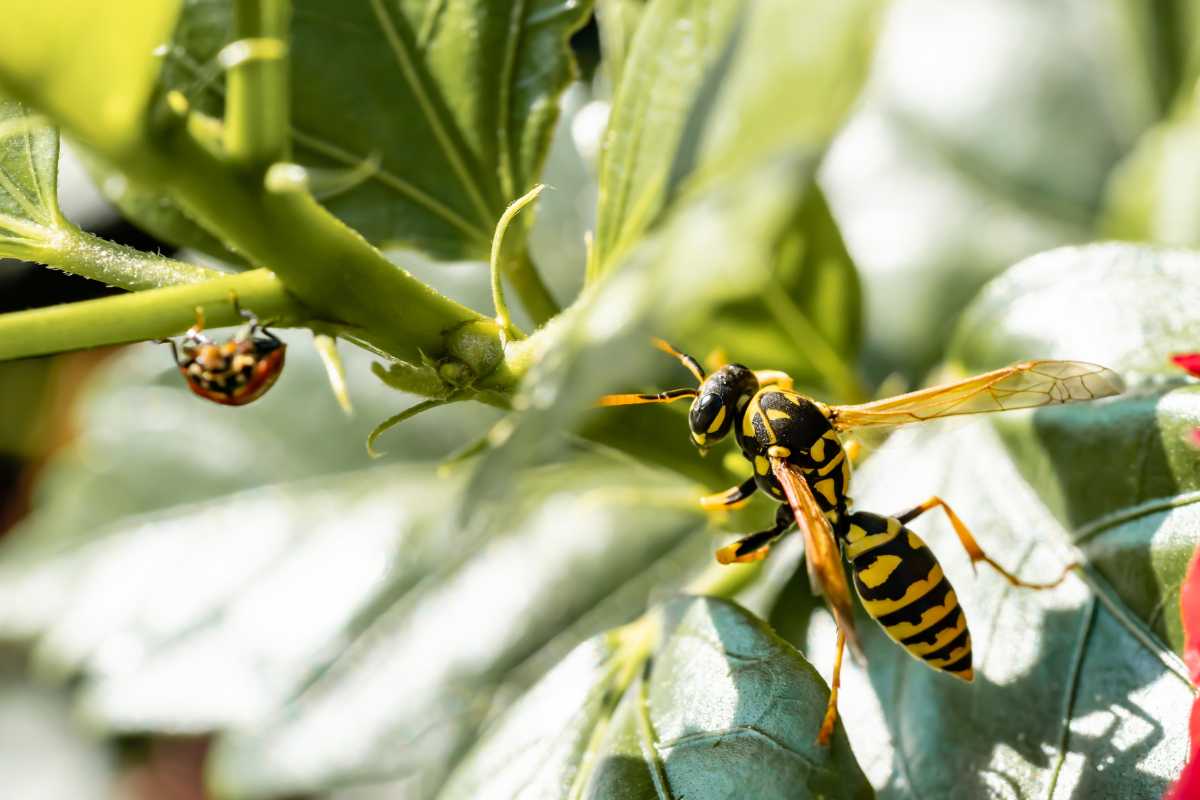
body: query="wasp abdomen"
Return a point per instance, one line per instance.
(903, 589)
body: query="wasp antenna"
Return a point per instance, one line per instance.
(642, 399)
(693, 366)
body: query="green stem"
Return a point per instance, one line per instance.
(276, 223)
(152, 314)
(535, 296)
(503, 317)
(72, 250)
(256, 101)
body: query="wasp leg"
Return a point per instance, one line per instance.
(735, 497)
(774, 377)
(756, 546)
(853, 449)
(836, 681)
(640, 399)
(974, 551)
(693, 366)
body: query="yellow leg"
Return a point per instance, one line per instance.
(774, 377)
(972, 547)
(756, 546)
(853, 449)
(735, 497)
(831, 714)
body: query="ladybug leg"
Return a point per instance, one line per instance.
(241, 312)
(194, 331)
(174, 349)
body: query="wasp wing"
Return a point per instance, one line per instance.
(821, 554)
(1028, 384)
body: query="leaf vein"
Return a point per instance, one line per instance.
(9, 184)
(408, 70)
(647, 739)
(1072, 688)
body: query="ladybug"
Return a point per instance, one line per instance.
(234, 372)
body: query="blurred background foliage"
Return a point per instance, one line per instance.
(241, 596)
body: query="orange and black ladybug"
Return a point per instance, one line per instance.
(234, 372)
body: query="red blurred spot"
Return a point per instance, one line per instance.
(1189, 361)
(1188, 785)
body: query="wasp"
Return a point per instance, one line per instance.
(234, 372)
(794, 444)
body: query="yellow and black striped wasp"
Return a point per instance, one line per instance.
(794, 444)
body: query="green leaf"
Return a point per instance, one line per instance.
(703, 100)
(617, 22)
(573, 735)
(515, 595)
(806, 319)
(147, 444)
(58, 49)
(937, 191)
(29, 214)
(1088, 673)
(455, 101)
(33, 229)
(1153, 194)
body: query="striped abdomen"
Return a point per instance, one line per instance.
(902, 587)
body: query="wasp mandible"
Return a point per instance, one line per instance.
(794, 444)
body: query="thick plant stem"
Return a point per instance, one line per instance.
(79, 253)
(276, 222)
(256, 102)
(151, 314)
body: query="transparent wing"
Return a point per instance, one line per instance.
(821, 554)
(1025, 385)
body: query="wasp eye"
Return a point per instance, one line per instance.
(706, 416)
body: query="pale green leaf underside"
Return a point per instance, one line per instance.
(29, 212)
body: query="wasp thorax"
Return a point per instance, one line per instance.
(718, 403)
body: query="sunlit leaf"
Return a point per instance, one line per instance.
(578, 550)
(1152, 195)
(752, 734)
(714, 88)
(1036, 103)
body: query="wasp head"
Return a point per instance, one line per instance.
(716, 406)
